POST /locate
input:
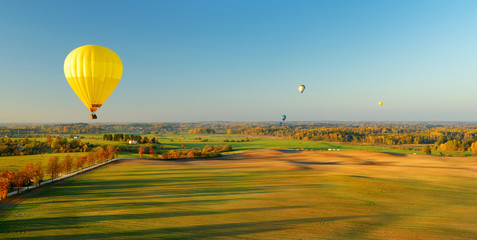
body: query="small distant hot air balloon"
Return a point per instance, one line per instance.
(284, 117)
(93, 72)
(301, 88)
(380, 103)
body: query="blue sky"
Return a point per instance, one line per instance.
(243, 60)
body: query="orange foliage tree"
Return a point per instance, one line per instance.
(53, 168)
(38, 173)
(67, 164)
(141, 151)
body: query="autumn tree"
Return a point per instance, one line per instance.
(29, 169)
(152, 154)
(5, 184)
(4, 187)
(473, 147)
(91, 158)
(38, 173)
(101, 154)
(67, 164)
(427, 150)
(19, 179)
(141, 151)
(111, 152)
(80, 161)
(53, 168)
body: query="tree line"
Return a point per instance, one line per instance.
(33, 173)
(441, 138)
(201, 131)
(206, 152)
(120, 137)
(210, 127)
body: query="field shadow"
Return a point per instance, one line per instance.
(206, 230)
(359, 176)
(201, 184)
(395, 154)
(64, 223)
(317, 163)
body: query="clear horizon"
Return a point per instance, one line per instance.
(242, 61)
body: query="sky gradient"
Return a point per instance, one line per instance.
(243, 60)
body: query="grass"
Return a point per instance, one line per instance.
(251, 199)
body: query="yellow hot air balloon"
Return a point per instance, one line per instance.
(301, 88)
(93, 72)
(380, 103)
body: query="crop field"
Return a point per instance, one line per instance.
(269, 194)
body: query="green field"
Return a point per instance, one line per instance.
(262, 195)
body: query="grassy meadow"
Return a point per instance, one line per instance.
(273, 194)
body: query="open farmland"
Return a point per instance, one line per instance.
(174, 142)
(258, 195)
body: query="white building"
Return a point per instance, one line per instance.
(132, 142)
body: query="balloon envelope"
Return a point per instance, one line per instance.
(284, 117)
(380, 103)
(93, 72)
(301, 88)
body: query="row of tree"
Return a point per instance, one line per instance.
(201, 131)
(206, 152)
(33, 173)
(120, 137)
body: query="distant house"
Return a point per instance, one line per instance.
(76, 137)
(132, 142)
